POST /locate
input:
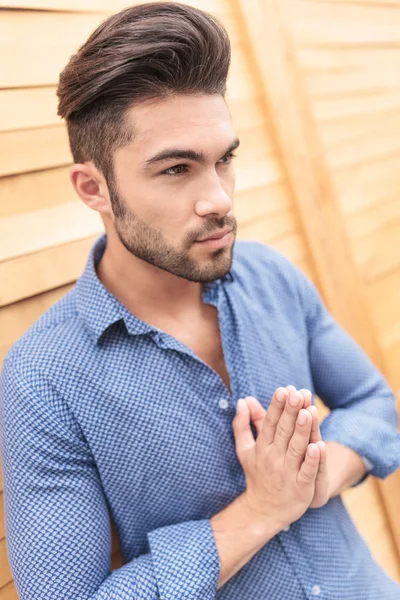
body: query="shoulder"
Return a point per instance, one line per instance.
(50, 340)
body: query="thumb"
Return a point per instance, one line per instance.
(257, 412)
(244, 438)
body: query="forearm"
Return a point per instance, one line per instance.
(345, 467)
(239, 535)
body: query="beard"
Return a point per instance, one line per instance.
(149, 244)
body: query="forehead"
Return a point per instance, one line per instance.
(197, 122)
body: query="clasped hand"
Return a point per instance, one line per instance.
(286, 465)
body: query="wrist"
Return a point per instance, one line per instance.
(263, 524)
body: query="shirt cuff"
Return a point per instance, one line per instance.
(186, 561)
(375, 440)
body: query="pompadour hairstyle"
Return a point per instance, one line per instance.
(145, 52)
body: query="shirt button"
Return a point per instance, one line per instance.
(287, 528)
(316, 590)
(223, 403)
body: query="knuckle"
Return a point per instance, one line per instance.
(283, 431)
(306, 476)
(295, 451)
(269, 420)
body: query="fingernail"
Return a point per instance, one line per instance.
(311, 451)
(281, 395)
(239, 404)
(313, 410)
(302, 418)
(294, 399)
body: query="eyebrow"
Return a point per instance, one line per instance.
(184, 154)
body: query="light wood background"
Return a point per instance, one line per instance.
(314, 93)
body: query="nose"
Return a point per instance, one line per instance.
(214, 198)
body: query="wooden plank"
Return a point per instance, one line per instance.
(270, 229)
(383, 297)
(347, 59)
(373, 104)
(28, 107)
(366, 147)
(5, 573)
(355, 82)
(42, 271)
(368, 221)
(314, 23)
(392, 362)
(258, 203)
(362, 502)
(313, 189)
(31, 232)
(367, 184)
(111, 6)
(2, 524)
(30, 33)
(8, 592)
(259, 174)
(379, 253)
(35, 191)
(350, 129)
(33, 149)
(17, 318)
(68, 5)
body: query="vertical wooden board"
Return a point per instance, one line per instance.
(293, 115)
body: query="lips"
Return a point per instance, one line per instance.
(217, 236)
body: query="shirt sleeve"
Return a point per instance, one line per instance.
(363, 408)
(57, 521)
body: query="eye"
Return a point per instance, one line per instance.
(176, 170)
(227, 159)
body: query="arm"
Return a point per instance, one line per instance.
(57, 522)
(363, 414)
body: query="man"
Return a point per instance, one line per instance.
(157, 389)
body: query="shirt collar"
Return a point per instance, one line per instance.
(100, 309)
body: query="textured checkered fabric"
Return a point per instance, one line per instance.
(102, 412)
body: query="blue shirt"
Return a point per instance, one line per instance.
(102, 412)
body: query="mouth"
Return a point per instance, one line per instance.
(216, 236)
(218, 240)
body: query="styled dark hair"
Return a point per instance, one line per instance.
(145, 52)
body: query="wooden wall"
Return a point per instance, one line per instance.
(314, 93)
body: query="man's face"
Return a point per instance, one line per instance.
(174, 186)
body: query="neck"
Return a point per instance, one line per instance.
(144, 289)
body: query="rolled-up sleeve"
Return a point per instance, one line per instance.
(363, 408)
(57, 520)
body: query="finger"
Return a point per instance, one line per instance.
(287, 422)
(309, 469)
(244, 438)
(257, 412)
(299, 442)
(307, 395)
(272, 416)
(323, 461)
(315, 435)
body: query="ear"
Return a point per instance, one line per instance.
(91, 187)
